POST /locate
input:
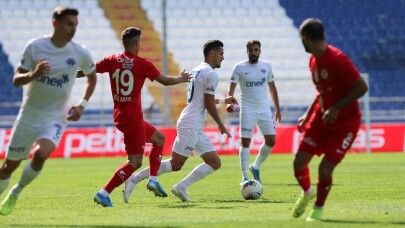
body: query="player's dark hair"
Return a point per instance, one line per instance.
(313, 29)
(252, 42)
(212, 45)
(130, 33)
(61, 11)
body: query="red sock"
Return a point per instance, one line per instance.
(324, 187)
(303, 178)
(119, 177)
(155, 158)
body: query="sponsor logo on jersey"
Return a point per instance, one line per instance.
(70, 62)
(127, 63)
(18, 149)
(309, 141)
(256, 84)
(56, 82)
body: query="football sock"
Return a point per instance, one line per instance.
(303, 179)
(264, 152)
(244, 154)
(155, 159)
(4, 184)
(103, 192)
(197, 174)
(153, 178)
(28, 175)
(165, 167)
(119, 177)
(323, 188)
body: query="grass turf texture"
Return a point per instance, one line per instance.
(368, 190)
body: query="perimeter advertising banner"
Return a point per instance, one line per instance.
(94, 142)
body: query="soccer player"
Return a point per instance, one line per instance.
(127, 73)
(47, 71)
(190, 126)
(331, 123)
(254, 76)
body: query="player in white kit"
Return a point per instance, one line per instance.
(47, 71)
(255, 77)
(190, 125)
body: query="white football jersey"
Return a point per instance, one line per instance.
(47, 96)
(253, 81)
(204, 80)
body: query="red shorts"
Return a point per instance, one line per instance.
(135, 136)
(334, 142)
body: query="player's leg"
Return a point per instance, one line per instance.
(134, 146)
(268, 129)
(337, 146)
(247, 124)
(212, 162)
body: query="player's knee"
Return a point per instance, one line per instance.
(6, 171)
(216, 165)
(325, 172)
(159, 138)
(177, 165)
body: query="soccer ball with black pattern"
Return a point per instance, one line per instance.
(251, 190)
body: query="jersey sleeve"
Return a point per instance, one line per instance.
(270, 76)
(149, 70)
(102, 65)
(235, 74)
(87, 64)
(348, 73)
(211, 83)
(27, 60)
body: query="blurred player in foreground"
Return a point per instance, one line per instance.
(47, 71)
(254, 77)
(331, 123)
(127, 73)
(190, 126)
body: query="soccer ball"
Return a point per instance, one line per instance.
(251, 189)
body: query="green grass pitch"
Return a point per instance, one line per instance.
(368, 191)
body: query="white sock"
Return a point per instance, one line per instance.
(244, 154)
(153, 178)
(197, 174)
(165, 167)
(27, 176)
(309, 191)
(103, 192)
(264, 152)
(4, 184)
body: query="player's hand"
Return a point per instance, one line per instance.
(75, 112)
(302, 122)
(231, 100)
(42, 68)
(330, 115)
(223, 130)
(185, 76)
(277, 116)
(230, 108)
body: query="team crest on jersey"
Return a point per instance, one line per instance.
(70, 62)
(263, 71)
(127, 63)
(324, 74)
(22, 61)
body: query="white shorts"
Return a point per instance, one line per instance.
(264, 121)
(24, 135)
(190, 140)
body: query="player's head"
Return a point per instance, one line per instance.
(253, 50)
(214, 53)
(131, 39)
(65, 21)
(311, 31)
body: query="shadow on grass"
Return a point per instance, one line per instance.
(361, 222)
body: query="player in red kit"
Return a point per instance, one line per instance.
(127, 73)
(331, 123)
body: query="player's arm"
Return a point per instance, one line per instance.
(209, 102)
(169, 80)
(76, 111)
(230, 92)
(358, 89)
(274, 97)
(302, 121)
(23, 77)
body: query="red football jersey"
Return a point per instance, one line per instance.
(334, 75)
(127, 73)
